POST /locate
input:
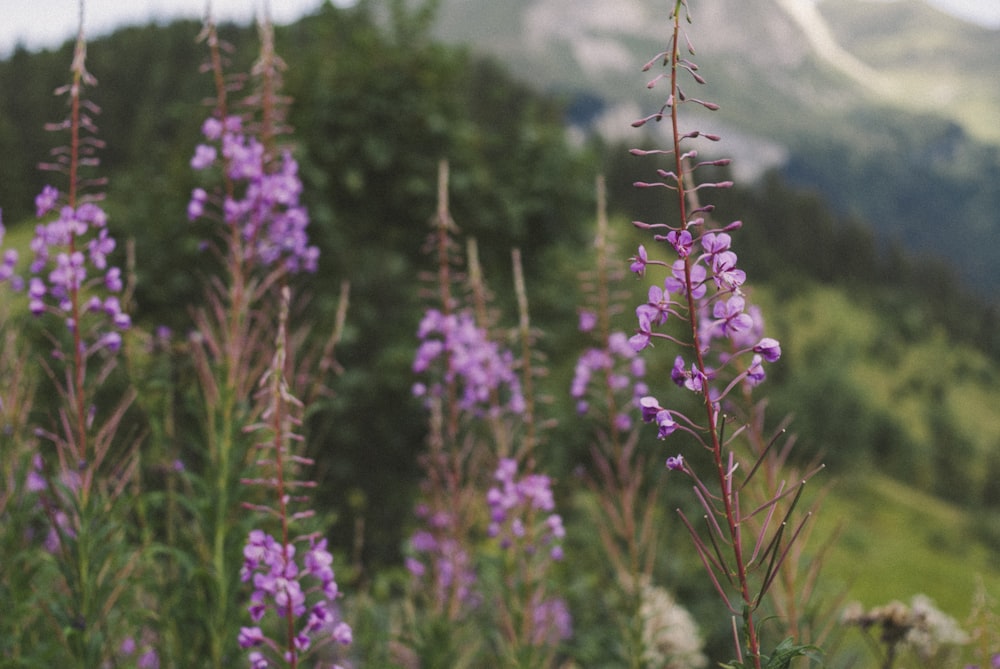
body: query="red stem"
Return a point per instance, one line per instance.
(731, 513)
(78, 358)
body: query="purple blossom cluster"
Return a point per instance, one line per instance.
(619, 370)
(551, 621)
(263, 203)
(482, 370)
(723, 319)
(70, 274)
(513, 504)
(516, 509)
(280, 585)
(440, 562)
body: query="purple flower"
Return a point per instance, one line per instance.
(658, 305)
(280, 585)
(478, 366)
(755, 373)
(552, 622)
(66, 250)
(513, 503)
(343, 634)
(113, 280)
(716, 242)
(204, 156)
(650, 406)
(148, 660)
(638, 265)
(678, 374)
(127, 646)
(676, 282)
(725, 273)
(666, 424)
(769, 348)
(644, 333)
(675, 463)
(250, 637)
(681, 241)
(196, 207)
(731, 317)
(46, 201)
(617, 368)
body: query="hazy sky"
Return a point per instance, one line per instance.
(46, 23)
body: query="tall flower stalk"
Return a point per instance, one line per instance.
(478, 394)
(461, 374)
(608, 381)
(704, 295)
(302, 595)
(80, 469)
(259, 235)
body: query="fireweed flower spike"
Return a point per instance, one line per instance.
(479, 366)
(82, 467)
(265, 224)
(71, 279)
(291, 575)
(704, 292)
(264, 206)
(530, 534)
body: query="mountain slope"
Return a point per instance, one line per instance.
(890, 109)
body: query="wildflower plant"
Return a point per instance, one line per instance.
(700, 306)
(477, 392)
(458, 366)
(533, 621)
(461, 372)
(609, 380)
(79, 468)
(249, 195)
(919, 632)
(292, 575)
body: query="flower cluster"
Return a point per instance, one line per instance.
(670, 635)
(263, 203)
(515, 506)
(441, 561)
(478, 365)
(618, 367)
(920, 627)
(280, 584)
(722, 315)
(513, 503)
(70, 258)
(551, 621)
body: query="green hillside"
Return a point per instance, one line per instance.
(896, 542)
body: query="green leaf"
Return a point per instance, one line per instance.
(787, 651)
